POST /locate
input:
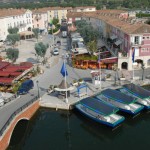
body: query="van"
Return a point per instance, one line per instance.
(25, 87)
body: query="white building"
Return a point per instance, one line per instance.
(9, 18)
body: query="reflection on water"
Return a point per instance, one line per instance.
(64, 130)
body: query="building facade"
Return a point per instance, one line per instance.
(10, 18)
(123, 35)
(40, 19)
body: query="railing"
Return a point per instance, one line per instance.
(15, 113)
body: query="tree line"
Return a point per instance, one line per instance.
(111, 4)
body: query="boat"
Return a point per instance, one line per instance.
(124, 102)
(142, 95)
(99, 111)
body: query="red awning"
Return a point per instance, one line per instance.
(7, 81)
(4, 74)
(110, 60)
(4, 65)
(15, 73)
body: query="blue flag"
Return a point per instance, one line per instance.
(133, 54)
(64, 70)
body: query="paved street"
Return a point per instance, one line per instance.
(51, 75)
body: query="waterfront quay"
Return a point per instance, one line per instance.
(52, 76)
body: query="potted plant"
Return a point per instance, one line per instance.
(75, 82)
(80, 81)
(108, 77)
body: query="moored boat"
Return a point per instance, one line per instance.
(124, 102)
(99, 111)
(142, 95)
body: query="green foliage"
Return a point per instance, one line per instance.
(12, 54)
(110, 4)
(36, 32)
(54, 30)
(41, 49)
(140, 15)
(57, 26)
(87, 31)
(13, 38)
(13, 30)
(55, 21)
(92, 45)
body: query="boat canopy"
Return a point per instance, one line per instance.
(99, 106)
(137, 90)
(118, 96)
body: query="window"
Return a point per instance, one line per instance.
(136, 40)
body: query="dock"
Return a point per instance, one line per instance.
(52, 101)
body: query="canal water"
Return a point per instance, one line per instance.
(63, 130)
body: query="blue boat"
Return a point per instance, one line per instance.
(99, 111)
(124, 102)
(142, 95)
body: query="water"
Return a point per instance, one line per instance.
(62, 130)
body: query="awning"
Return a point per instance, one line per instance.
(25, 33)
(113, 37)
(118, 42)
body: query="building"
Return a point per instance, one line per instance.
(84, 9)
(40, 19)
(58, 12)
(9, 18)
(73, 17)
(123, 35)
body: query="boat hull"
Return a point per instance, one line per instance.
(97, 119)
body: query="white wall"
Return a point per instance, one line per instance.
(12, 21)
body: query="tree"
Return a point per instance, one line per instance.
(41, 49)
(55, 21)
(13, 38)
(92, 45)
(36, 32)
(12, 54)
(13, 30)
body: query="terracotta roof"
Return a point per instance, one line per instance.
(11, 12)
(112, 19)
(45, 9)
(74, 14)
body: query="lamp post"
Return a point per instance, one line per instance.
(143, 67)
(37, 82)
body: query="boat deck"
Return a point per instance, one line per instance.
(137, 90)
(99, 106)
(118, 96)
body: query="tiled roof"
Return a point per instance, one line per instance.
(111, 17)
(11, 12)
(74, 14)
(45, 9)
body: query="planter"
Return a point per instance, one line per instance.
(122, 79)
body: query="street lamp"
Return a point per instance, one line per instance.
(37, 82)
(142, 67)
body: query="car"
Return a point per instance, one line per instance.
(58, 42)
(25, 87)
(56, 51)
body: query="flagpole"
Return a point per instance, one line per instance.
(65, 80)
(99, 70)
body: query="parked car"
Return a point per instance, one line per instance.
(25, 87)
(58, 43)
(56, 51)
